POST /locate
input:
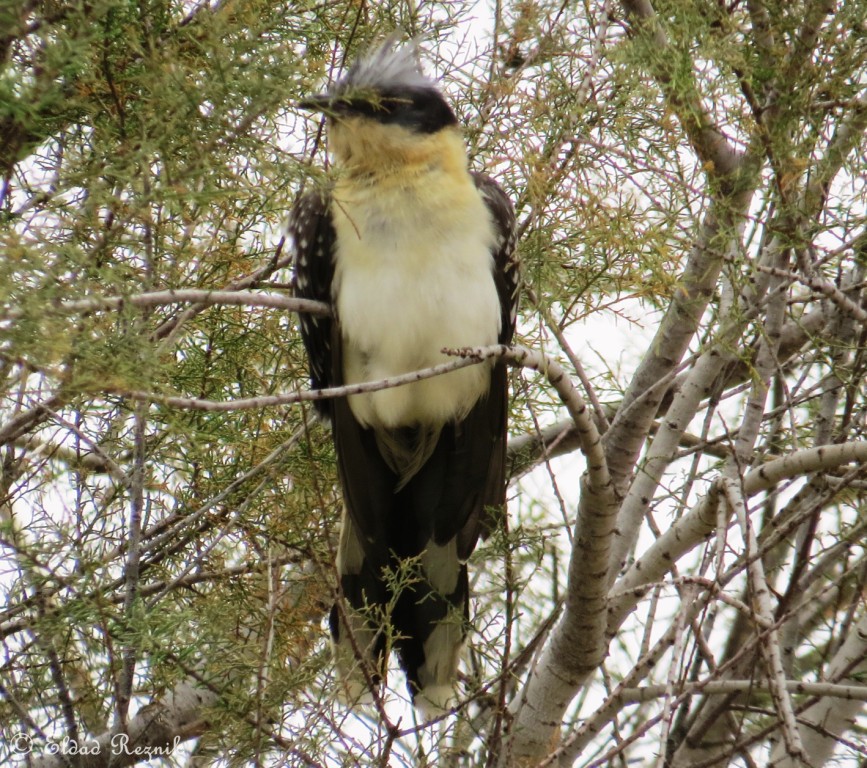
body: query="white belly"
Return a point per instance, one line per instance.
(413, 275)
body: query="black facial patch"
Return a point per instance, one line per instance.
(420, 109)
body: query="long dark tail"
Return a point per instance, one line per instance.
(431, 618)
(405, 542)
(419, 605)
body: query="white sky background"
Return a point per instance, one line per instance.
(604, 340)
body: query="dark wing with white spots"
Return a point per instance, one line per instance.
(486, 425)
(312, 235)
(506, 268)
(367, 483)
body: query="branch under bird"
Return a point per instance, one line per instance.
(414, 253)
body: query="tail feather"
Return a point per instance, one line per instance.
(423, 604)
(404, 544)
(356, 620)
(431, 631)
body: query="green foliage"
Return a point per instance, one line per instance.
(154, 145)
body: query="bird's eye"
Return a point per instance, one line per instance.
(423, 111)
(396, 103)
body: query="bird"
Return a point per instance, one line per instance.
(414, 253)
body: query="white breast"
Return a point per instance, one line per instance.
(414, 274)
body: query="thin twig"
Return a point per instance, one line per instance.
(770, 649)
(131, 570)
(182, 296)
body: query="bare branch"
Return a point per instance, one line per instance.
(831, 715)
(826, 288)
(183, 296)
(270, 401)
(771, 646)
(577, 643)
(624, 439)
(854, 693)
(700, 521)
(132, 568)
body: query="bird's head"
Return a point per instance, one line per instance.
(385, 110)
